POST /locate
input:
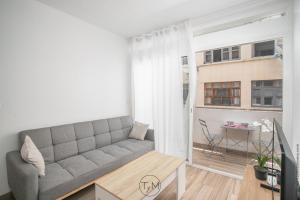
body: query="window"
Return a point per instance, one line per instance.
(208, 57)
(264, 48)
(184, 60)
(217, 56)
(235, 53)
(222, 93)
(224, 54)
(267, 93)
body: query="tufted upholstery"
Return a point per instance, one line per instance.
(60, 142)
(78, 153)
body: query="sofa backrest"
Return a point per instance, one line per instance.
(60, 142)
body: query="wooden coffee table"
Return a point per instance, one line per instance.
(143, 178)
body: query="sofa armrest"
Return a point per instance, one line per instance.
(22, 177)
(150, 135)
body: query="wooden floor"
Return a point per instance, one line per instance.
(204, 185)
(230, 163)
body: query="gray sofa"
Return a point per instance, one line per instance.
(75, 155)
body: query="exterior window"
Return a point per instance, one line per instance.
(217, 55)
(208, 57)
(184, 60)
(222, 93)
(225, 54)
(264, 48)
(267, 93)
(235, 53)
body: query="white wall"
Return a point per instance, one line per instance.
(296, 117)
(269, 29)
(55, 69)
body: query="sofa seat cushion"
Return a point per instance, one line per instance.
(116, 151)
(77, 165)
(71, 173)
(134, 145)
(55, 176)
(99, 157)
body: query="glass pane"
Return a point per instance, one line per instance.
(235, 55)
(236, 100)
(264, 48)
(226, 101)
(225, 55)
(207, 85)
(256, 83)
(208, 100)
(256, 100)
(268, 83)
(208, 92)
(268, 101)
(235, 48)
(221, 93)
(216, 101)
(184, 60)
(277, 83)
(278, 101)
(217, 55)
(217, 85)
(207, 56)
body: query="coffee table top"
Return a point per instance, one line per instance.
(124, 182)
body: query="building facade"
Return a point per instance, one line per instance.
(247, 76)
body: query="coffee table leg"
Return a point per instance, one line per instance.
(180, 181)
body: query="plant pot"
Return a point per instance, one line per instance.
(260, 172)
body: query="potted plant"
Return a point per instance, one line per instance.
(260, 169)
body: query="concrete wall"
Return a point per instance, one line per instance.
(56, 69)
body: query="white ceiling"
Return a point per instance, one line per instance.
(132, 17)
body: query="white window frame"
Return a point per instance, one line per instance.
(253, 48)
(222, 51)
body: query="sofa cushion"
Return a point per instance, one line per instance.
(119, 128)
(100, 126)
(115, 124)
(84, 132)
(102, 134)
(55, 175)
(65, 150)
(63, 134)
(86, 144)
(53, 191)
(31, 154)
(77, 165)
(126, 122)
(43, 140)
(136, 145)
(64, 140)
(99, 157)
(89, 166)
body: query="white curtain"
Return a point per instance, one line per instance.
(157, 85)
